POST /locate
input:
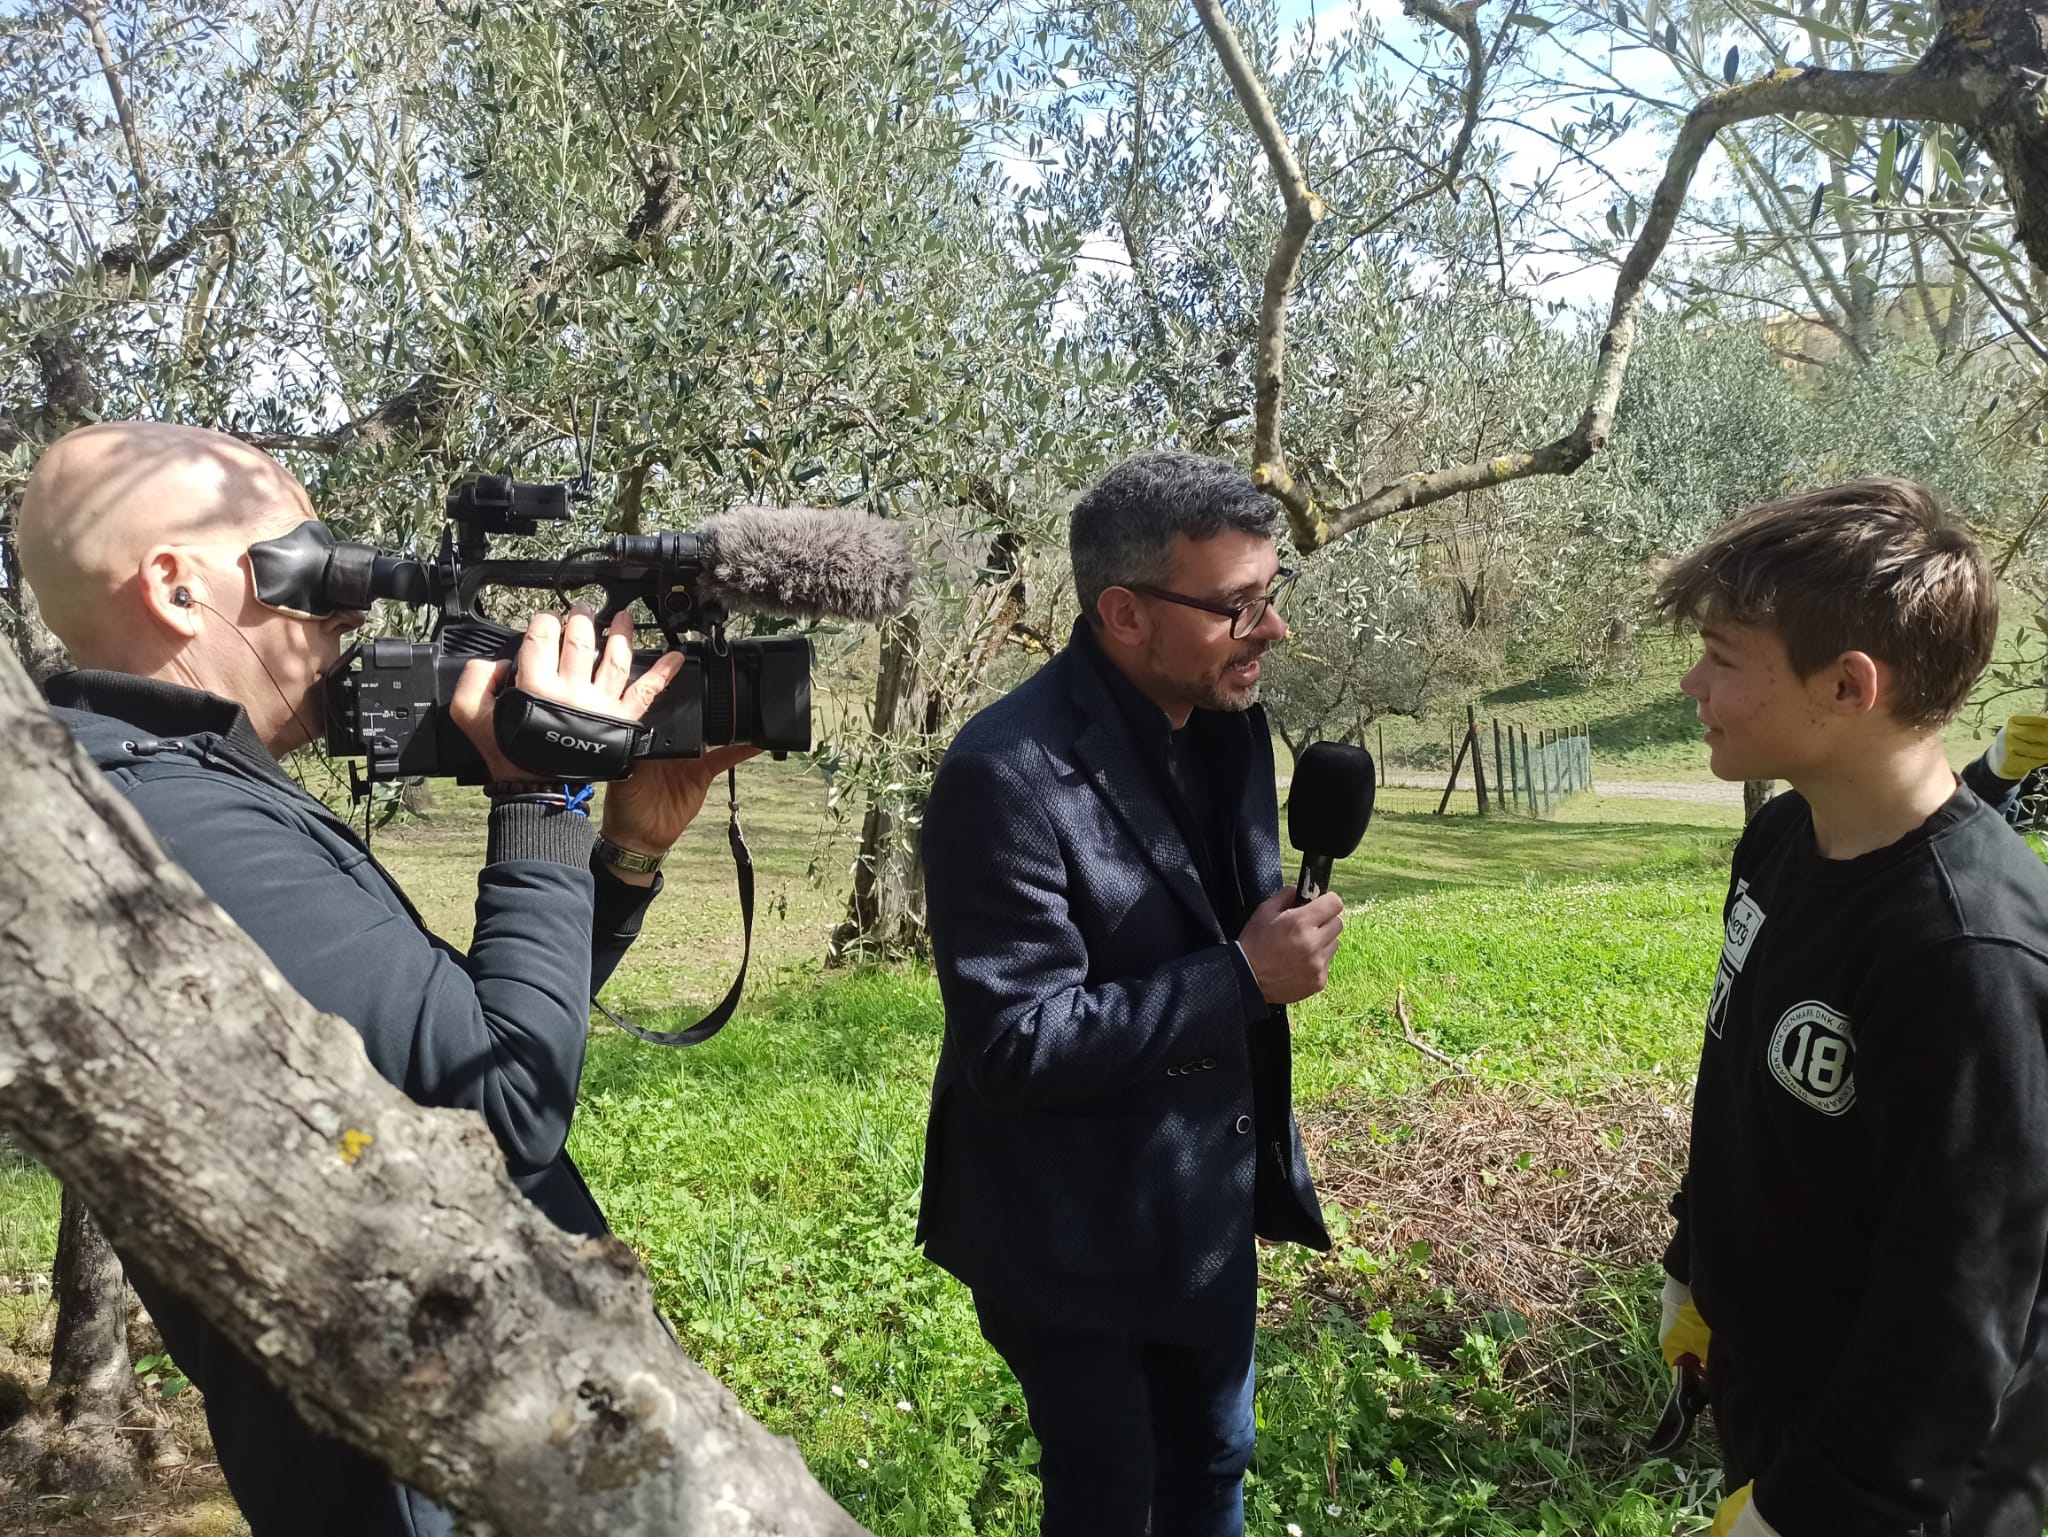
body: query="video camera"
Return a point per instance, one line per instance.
(387, 699)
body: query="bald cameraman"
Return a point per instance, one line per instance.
(134, 538)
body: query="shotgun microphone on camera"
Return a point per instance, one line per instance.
(1328, 805)
(805, 563)
(386, 698)
(790, 562)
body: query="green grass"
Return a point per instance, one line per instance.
(769, 1181)
(769, 1178)
(28, 1235)
(799, 891)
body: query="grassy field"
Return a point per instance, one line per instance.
(1490, 968)
(769, 1178)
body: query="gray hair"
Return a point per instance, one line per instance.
(1121, 531)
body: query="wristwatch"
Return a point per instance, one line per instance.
(630, 861)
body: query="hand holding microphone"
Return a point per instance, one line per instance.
(1289, 940)
(1289, 946)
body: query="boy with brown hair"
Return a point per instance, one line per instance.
(1862, 1229)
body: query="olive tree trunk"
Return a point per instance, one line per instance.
(90, 1372)
(91, 1378)
(930, 677)
(885, 914)
(1754, 793)
(368, 1253)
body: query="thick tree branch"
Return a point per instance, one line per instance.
(369, 1253)
(1999, 49)
(1304, 208)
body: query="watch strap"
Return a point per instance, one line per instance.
(630, 861)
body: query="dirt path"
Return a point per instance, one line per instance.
(1709, 792)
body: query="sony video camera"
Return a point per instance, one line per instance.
(387, 698)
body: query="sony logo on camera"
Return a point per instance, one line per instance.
(581, 744)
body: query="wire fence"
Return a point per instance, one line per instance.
(1533, 768)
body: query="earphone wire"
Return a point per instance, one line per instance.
(290, 708)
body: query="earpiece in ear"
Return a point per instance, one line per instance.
(182, 597)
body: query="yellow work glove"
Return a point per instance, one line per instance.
(1739, 1517)
(1681, 1331)
(2020, 747)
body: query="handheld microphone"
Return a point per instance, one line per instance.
(1328, 806)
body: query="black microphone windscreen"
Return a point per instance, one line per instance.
(1330, 800)
(805, 563)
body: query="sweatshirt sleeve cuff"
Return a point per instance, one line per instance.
(1255, 1006)
(523, 830)
(1807, 1495)
(621, 906)
(1993, 789)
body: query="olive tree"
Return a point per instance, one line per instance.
(1981, 72)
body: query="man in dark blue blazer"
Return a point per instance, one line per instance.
(1111, 1121)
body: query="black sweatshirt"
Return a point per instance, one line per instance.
(1865, 1217)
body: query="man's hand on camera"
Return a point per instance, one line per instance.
(1289, 947)
(648, 811)
(560, 660)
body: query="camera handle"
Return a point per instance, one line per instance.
(712, 1023)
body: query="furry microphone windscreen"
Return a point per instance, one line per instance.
(805, 563)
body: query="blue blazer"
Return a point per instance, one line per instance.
(1111, 1121)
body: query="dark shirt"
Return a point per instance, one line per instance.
(1201, 770)
(1865, 1216)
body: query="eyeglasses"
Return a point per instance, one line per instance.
(1244, 617)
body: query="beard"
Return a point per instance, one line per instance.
(1213, 690)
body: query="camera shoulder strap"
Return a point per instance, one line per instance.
(712, 1023)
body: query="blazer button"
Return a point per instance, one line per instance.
(1173, 1072)
(1244, 1125)
(1207, 1063)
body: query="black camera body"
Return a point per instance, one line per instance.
(387, 699)
(390, 704)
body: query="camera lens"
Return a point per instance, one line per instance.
(759, 694)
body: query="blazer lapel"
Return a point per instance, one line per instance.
(1106, 749)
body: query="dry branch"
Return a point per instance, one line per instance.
(369, 1253)
(1408, 1034)
(1987, 71)
(1518, 1195)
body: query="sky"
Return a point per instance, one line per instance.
(1581, 196)
(1635, 160)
